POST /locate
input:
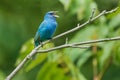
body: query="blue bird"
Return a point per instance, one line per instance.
(46, 28)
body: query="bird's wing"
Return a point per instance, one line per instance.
(36, 39)
(37, 35)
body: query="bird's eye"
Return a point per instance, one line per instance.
(51, 13)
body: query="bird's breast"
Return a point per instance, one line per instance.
(47, 30)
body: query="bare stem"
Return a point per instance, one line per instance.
(79, 43)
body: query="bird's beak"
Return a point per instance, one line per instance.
(55, 14)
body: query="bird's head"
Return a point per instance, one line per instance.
(51, 15)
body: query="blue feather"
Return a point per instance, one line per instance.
(46, 28)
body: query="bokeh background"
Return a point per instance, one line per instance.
(19, 20)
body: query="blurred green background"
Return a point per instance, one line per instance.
(19, 21)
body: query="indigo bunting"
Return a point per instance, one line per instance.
(46, 28)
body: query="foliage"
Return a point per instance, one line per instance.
(82, 8)
(2, 75)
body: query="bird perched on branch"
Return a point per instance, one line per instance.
(46, 28)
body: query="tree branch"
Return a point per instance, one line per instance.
(82, 25)
(92, 15)
(75, 45)
(34, 51)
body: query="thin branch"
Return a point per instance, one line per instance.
(111, 11)
(66, 41)
(79, 43)
(62, 46)
(80, 26)
(92, 15)
(82, 47)
(94, 62)
(34, 51)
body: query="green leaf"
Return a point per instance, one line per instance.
(82, 8)
(81, 36)
(102, 28)
(76, 74)
(66, 4)
(105, 54)
(117, 12)
(51, 56)
(26, 49)
(50, 71)
(84, 34)
(84, 57)
(114, 22)
(116, 53)
(39, 59)
(88, 10)
(2, 75)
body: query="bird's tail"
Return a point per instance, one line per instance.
(36, 43)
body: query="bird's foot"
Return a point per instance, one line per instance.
(41, 44)
(50, 39)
